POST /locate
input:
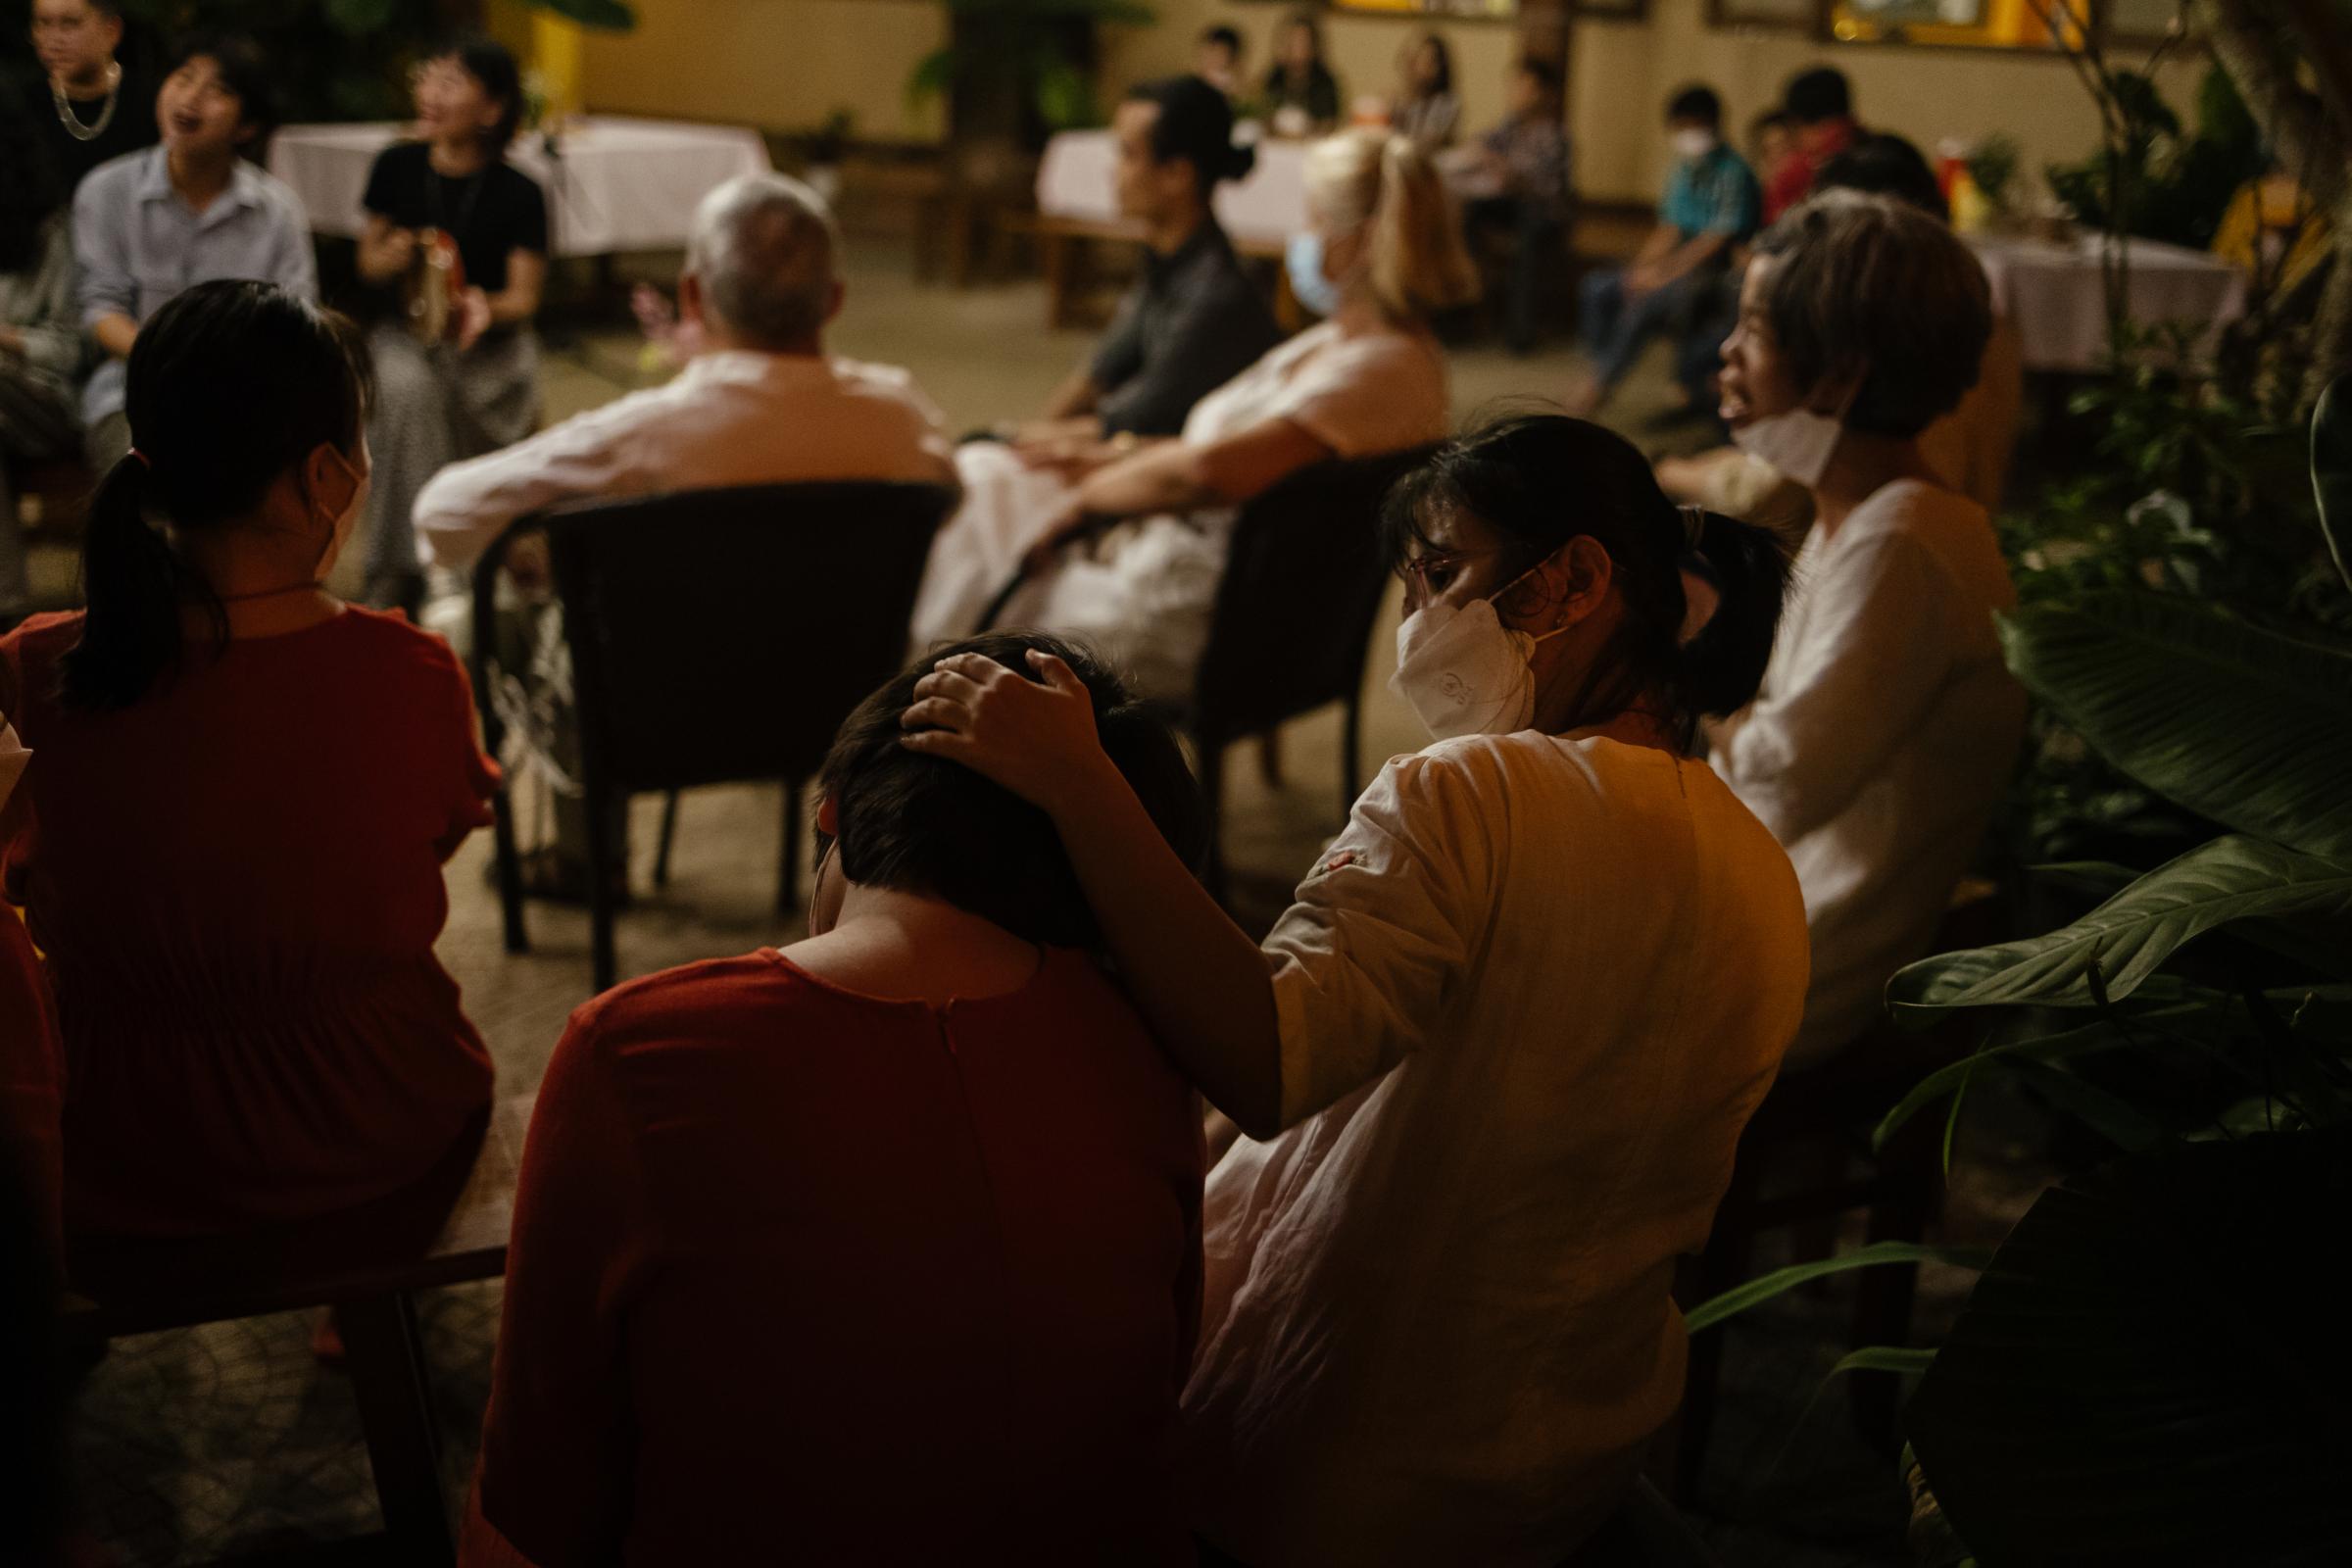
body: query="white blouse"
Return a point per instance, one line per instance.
(1527, 1001)
(1881, 738)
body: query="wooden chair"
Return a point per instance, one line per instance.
(716, 636)
(1820, 1120)
(367, 1265)
(1288, 634)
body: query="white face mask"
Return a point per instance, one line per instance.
(1798, 441)
(1465, 671)
(1691, 145)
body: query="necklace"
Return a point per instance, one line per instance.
(268, 593)
(72, 122)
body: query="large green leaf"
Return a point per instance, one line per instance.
(2116, 948)
(2331, 470)
(1878, 1254)
(2153, 1370)
(2245, 727)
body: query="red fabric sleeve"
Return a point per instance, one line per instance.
(1789, 184)
(31, 1076)
(553, 1487)
(478, 777)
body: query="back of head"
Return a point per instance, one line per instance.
(927, 825)
(1869, 285)
(1818, 94)
(1885, 165)
(1544, 77)
(1225, 38)
(231, 386)
(1698, 104)
(1372, 180)
(1194, 123)
(494, 69)
(245, 71)
(769, 256)
(1543, 479)
(28, 185)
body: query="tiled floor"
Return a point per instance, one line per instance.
(193, 1444)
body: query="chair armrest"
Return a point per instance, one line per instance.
(1091, 526)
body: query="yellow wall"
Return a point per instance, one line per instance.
(785, 63)
(780, 65)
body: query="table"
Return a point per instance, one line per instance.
(615, 184)
(1077, 183)
(2055, 295)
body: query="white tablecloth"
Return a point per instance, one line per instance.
(1075, 180)
(616, 184)
(2057, 299)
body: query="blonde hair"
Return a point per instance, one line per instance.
(1384, 184)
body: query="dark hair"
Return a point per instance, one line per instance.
(1543, 479)
(492, 66)
(230, 385)
(1429, 40)
(1227, 36)
(1870, 284)
(1194, 124)
(1817, 95)
(28, 185)
(1770, 119)
(1884, 165)
(244, 70)
(924, 824)
(1545, 73)
(1696, 102)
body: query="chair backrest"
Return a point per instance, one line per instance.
(724, 634)
(1302, 584)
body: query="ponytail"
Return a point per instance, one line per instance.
(230, 387)
(135, 586)
(1420, 267)
(1748, 566)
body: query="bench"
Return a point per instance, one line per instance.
(365, 1263)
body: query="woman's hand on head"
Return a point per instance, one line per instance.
(1033, 737)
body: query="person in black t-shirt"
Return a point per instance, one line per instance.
(90, 109)
(457, 365)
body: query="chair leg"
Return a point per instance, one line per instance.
(1212, 819)
(386, 1357)
(788, 857)
(604, 965)
(669, 830)
(1352, 754)
(510, 871)
(1724, 1265)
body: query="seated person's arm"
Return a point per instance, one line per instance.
(553, 1483)
(1197, 355)
(115, 333)
(1655, 245)
(1074, 398)
(1179, 475)
(1686, 257)
(465, 505)
(385, 249)
(527, 281)
(109, 295)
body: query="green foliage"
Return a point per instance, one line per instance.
(1993, 167)
(1031, 58)
(2150, 1372)
(2164, 181)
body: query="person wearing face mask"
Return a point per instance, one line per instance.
(917, 1197)
(1710, 208)
(1501, 1048)
(231, 849)
(1886, 725)
(1369, 379)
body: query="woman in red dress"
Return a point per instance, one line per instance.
(230, 851)
(881, 1248)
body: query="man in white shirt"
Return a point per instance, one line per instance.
(759, 402)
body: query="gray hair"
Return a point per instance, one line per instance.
(767, 253)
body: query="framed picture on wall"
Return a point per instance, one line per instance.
(1779, 16)
(1489, 9)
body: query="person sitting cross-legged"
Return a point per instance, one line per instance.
(760, 402)
(881, 1247)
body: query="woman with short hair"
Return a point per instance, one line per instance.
(1886, 725)
(883, 1247)
(457, 239)
(231, 847)
(1503, 1045)
(1382, 256)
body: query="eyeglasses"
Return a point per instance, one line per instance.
(1422, 570)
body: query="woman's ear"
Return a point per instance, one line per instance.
(331, 484)
(828, 818)
(1563, 588)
